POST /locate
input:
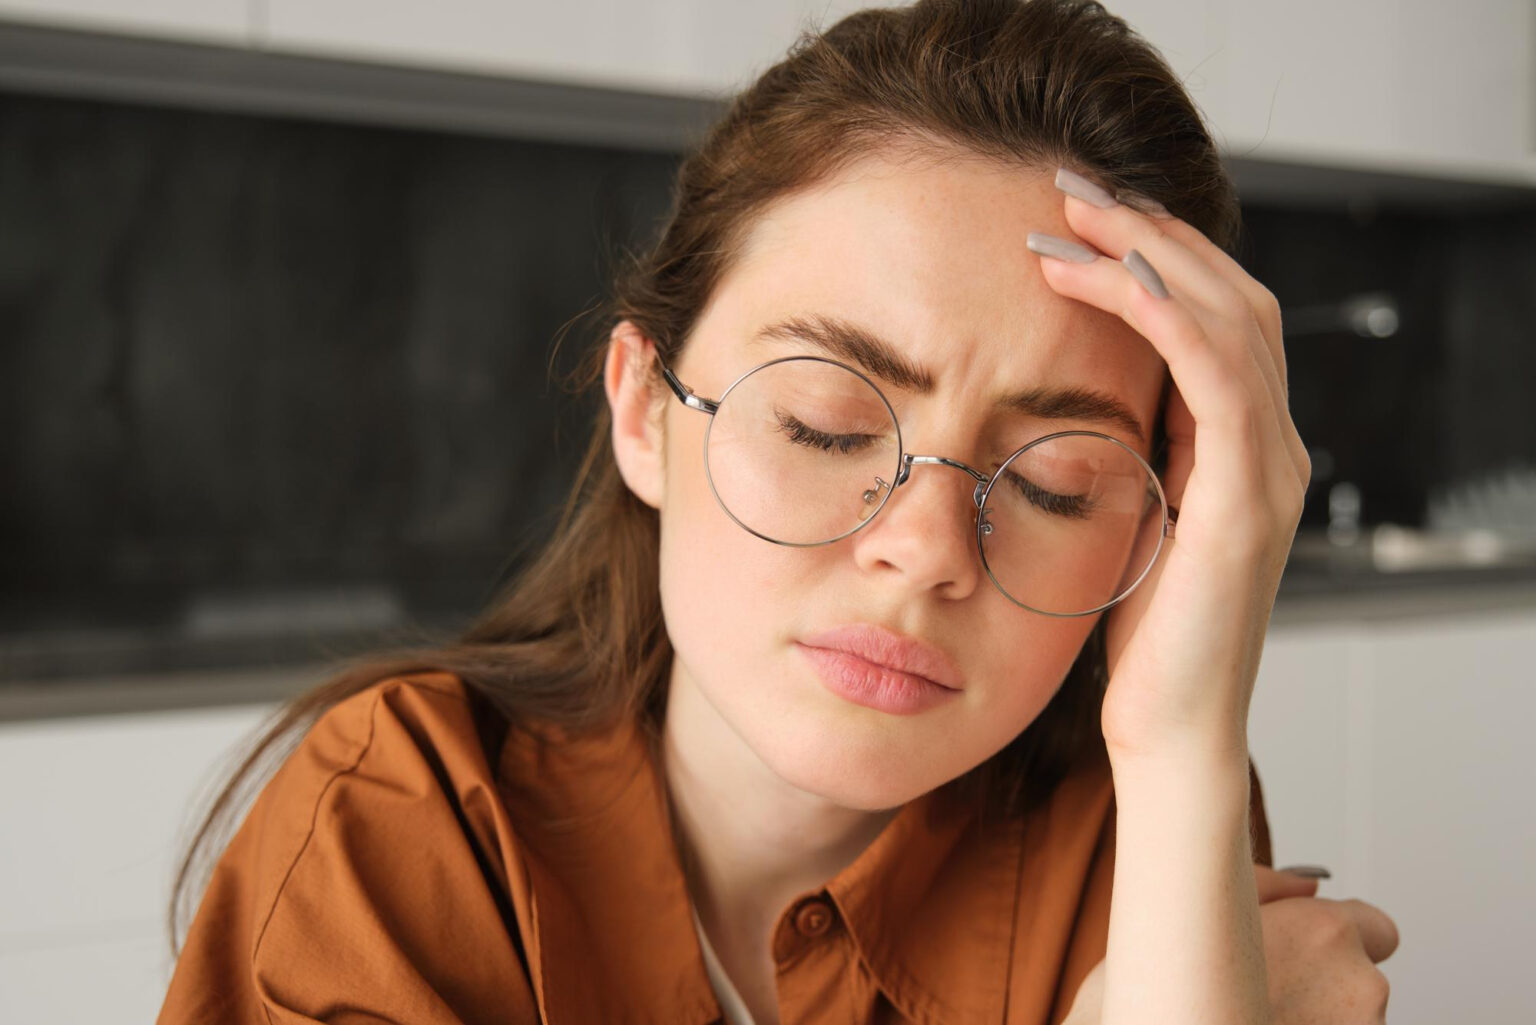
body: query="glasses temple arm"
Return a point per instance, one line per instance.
(684, 393)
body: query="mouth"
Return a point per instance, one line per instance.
(892, 651)
(882, 669)
(860, 682)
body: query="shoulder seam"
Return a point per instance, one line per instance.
(392, 684)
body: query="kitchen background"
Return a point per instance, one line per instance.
(280, 286)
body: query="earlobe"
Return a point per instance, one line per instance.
(637, 436)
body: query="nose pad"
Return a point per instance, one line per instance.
(874, 495)
(983, 526)
(872, 498)
(925, 543)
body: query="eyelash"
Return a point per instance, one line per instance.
(1070, 506)
(802, 434)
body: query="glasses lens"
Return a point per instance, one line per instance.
(1071, 523)
(802, 451)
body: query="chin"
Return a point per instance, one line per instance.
(874, 772)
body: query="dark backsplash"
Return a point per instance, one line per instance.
(249, 354)
(1447, 398)
(253, 352)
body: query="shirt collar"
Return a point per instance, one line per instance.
(613, 937)
(963, 919)
(956, 917)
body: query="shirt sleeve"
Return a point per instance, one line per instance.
(372, 881)
(1090, 937)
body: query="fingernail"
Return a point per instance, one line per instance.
(1074, 184)
(1138, 265)
(1060, 248)
(1145, 204)
(1310, 871)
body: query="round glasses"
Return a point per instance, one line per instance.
(804, 450)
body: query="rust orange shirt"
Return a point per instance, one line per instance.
(406, 864)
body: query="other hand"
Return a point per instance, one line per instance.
(1320, 956)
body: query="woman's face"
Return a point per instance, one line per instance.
(930, 257)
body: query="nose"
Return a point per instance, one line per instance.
(925, 534)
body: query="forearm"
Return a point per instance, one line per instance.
(1185, 942)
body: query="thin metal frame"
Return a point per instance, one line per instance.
(904, 463)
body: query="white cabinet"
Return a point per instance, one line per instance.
(1437, 89)
(670, 46)
(225, 22)
(96, 813)
(636, 45)
(1452, 823)
(1396, 751)
(1445, 90)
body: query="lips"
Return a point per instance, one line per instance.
(890, 649)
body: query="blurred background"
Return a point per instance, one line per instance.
(280, 285)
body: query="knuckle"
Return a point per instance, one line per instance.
(1396, 937)
(1295, 505)
(1153, 229)
(1235, 305)
(1334, 927)
(1231, 404)
(1269, 305)
(1376, 990)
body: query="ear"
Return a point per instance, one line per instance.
(637, 434)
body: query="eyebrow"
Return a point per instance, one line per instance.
(881, 359)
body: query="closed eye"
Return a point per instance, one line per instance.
(802, 433)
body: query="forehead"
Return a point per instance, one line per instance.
(926, 247)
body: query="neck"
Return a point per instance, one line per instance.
(750, 842)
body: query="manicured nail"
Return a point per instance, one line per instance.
(1074, 184)
(1060, 248)
(1310, 871)
(1145, 204)
(1138, 265)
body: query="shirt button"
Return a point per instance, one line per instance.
(813, 917)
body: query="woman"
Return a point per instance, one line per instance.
(911, 594)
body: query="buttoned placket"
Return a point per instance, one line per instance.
(815, 963)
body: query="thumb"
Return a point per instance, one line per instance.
(1275, 885)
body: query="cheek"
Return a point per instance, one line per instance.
(1030, 666)
(719, 584)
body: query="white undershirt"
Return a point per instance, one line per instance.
(735, 1008)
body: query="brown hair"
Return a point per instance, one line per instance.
(576, 638)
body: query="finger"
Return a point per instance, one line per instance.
(1377, 931)
(1179, 425)
(1266, 313)
(1263, 301)
(1206, 273)
(1275, 885)
(1118, 229)
(1214, 276)
(1220, 393)
(1271, 424)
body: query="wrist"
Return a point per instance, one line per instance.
(1212, 769)
(1199, 750)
